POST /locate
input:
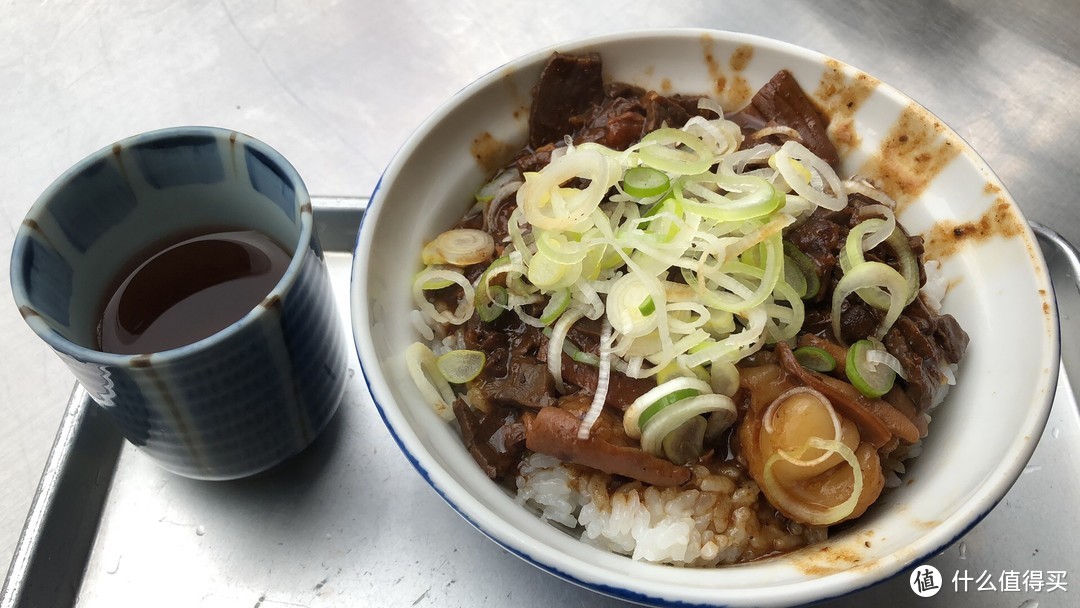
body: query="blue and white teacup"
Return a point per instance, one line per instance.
(225, 406)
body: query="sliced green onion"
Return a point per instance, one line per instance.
(424, 370)
(548, 204)
(461, 366)
(435, 276)
(687, 442)
(502, 182)
(550, 274)
(632, 415)
(673, 416)
(645, 182)
(871, 274)
(559, 247)
(586, 358)
(724, 378)
(675, 151)
(491, 310)
(817, 359)
(808, 268)
(851, 255)
(795, 277)
(492, 300)
(555, 307)
(872, 379)
(665, 401)
(624, 306)
(647, 307)
(436, 284)
(459, 247)
(603, 380)
(797, 165)
(909, 265)
(658, 206)
(747, 197)
(556, 342)
(720, 324)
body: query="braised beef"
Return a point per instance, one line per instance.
(923, 341)
(920, 339)
(948, 335)
(782, 102)
(566, 103)
(568, 86)
(820, 240)
(622, 389)
(512, 375)
(554, 432)
(495, 440)
(615, 123)
(662, 111)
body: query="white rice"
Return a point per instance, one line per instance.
(715, 519)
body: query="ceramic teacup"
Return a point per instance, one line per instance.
(223, 406)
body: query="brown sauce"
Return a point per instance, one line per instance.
(839, 99)
(912, 154)
(491, 154)
(189, 289)
(946, 237)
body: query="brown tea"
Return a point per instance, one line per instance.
(188, 290)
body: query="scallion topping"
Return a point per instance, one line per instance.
(645, 182)
(872, 379)
(817, 359)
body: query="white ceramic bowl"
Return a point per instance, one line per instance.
(980, 438)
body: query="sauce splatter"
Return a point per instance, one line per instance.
(821, 560)
(914, 151)
(491, 154)
(741, 57)
(840, 98)
(715, 71)
(946, 238)
(731, 90)
(521, 103)
(739, 94)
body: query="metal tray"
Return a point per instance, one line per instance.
(348, 522)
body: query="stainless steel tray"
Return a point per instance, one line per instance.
(349, 522)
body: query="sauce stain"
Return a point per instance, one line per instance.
(739, 95)
(946, 238)
(522, 102)
(840, 98)
(731, 90)
(914, 151)
(828, 559)
(716, 72)
(491, 154)
(741, 57)
(710, 57)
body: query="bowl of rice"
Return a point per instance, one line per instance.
(559, 459)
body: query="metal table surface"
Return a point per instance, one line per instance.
(336, 87)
